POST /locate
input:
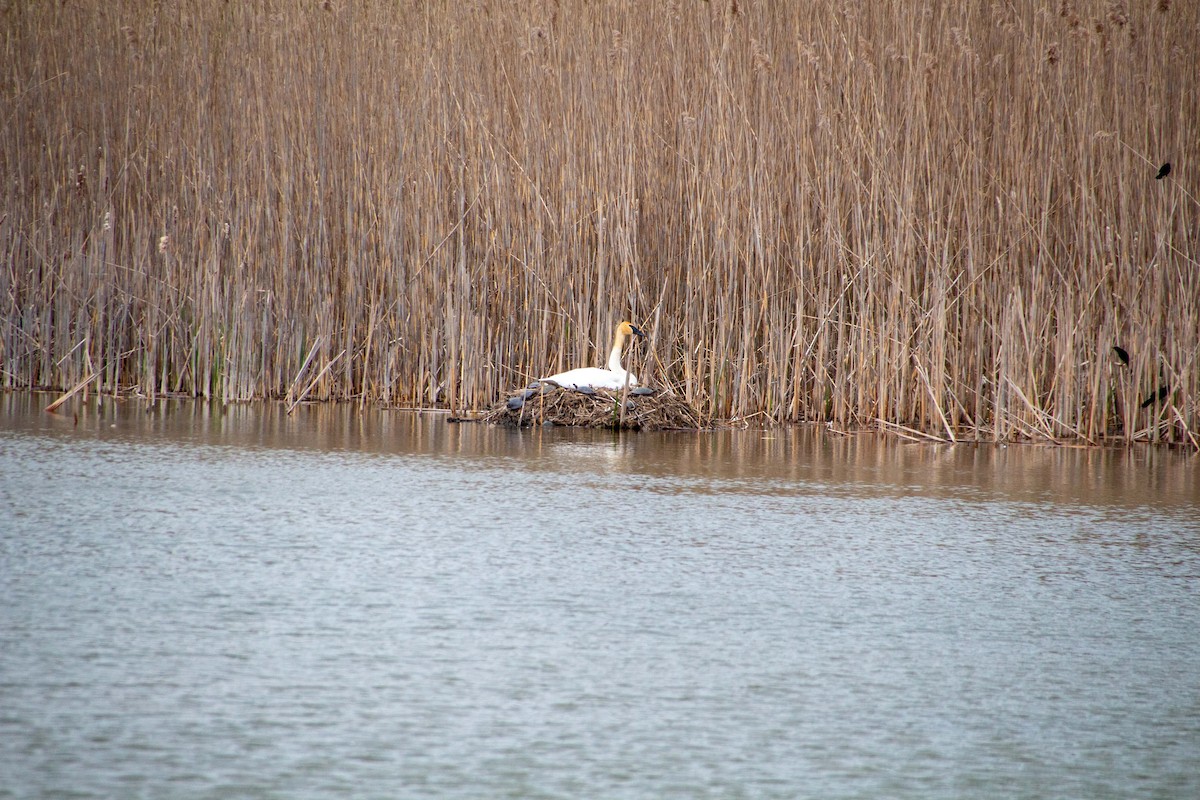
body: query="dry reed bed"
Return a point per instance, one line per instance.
(942, 219)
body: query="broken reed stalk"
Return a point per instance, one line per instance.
(300, 398)
(901, 431)
(933, 399)
(1187, 430)
(312, 351)
(70, 393)
(457, 198)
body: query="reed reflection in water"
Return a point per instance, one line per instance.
(203, 602)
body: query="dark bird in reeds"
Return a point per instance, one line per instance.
(1157, 397)
(1163, 171)
(1122, 354)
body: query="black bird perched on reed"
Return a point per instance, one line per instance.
(1163, 171)
(1156, 397)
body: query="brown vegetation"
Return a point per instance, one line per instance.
(937, 216)
(601, 408)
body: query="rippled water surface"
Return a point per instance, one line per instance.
(208, 603)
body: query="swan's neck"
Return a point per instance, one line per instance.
(614, 356)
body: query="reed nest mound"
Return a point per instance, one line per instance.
(599, 409)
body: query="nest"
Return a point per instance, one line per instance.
(645, 410)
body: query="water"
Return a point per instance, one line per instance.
(197, 603)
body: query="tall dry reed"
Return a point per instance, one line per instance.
(935, 220)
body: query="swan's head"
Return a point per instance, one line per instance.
(629, 329)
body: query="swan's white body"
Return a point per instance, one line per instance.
(594, 377)
(614, 378)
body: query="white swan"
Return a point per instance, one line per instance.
(612, 378)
